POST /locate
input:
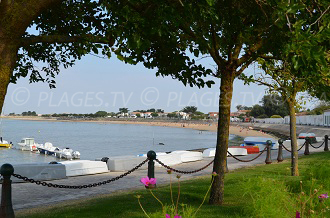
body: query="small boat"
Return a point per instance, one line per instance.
(236, 151)
(67, 153)
(4, 144)
(27, 144)
(309, 135)
(260, 142)
(48, 149)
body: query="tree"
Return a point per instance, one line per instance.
(274, 104)
(154, 114)
(101, 114)
(190, 109)
(299, 64)
(123, 110)
(65, 31)
(257, 111)
(232, 33)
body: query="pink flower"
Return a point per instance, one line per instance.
(297, 214)
(324, 195)
(146, 181)
(176, 216)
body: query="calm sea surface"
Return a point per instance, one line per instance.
(97, 140)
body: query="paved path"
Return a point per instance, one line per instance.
(26, 195)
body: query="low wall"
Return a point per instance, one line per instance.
(284, 129)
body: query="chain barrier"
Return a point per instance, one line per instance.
(248, 160)
(316, 147)
(297, 150)
(181, 171)
(26, 179)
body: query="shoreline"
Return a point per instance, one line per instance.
(212, 126)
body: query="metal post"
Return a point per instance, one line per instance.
(6, 209)
(268, 157)
(307, 146)
(326, 140)
(280, 151)
(151, 166)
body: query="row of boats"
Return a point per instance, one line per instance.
(28, 144)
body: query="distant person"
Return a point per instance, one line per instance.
(1, 139)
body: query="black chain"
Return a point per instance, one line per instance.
(181, 171)
(26, 179)
(297, 150)
(316, 147)
(248, 160)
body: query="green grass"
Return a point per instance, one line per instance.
(260, 191)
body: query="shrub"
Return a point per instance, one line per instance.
(275, 116)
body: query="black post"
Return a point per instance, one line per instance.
(6, 209)
(280, 151)
(151, 165)
(268, 157)
(326, 140)
(307, 146)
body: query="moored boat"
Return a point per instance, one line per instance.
(27, 144)
(4, 144)
(67, 153)
(260, 142)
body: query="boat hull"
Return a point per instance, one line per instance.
(5, 145)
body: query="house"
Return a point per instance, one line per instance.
(213, 115)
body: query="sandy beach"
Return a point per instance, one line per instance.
(236, 129)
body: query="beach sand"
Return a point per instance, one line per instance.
(234, 129)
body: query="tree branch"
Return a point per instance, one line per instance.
(317, 20)
(52, 39)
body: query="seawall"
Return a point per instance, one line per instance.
(283, 130)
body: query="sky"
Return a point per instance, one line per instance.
(95, 84)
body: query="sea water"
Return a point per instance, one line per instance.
(97, 140)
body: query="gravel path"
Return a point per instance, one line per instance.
(26, 195)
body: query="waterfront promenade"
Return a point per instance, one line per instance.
(29, 196)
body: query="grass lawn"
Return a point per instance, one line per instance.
(260, 191)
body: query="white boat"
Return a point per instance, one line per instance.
(47, 149)
(188, 156)
(210, 152)
(67, 153)
(27, 144)
(125, 163)
(39, 171)
(84, 167)
(260, 142)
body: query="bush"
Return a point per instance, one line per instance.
(263, 116)
(276, 116)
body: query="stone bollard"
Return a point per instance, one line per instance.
(151, 166)
(307, 146)
(269, 147)
(280, 151)
(326, 140)
(6, 209)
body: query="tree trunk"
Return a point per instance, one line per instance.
(293, 136)
(8, 57)
(220, 159)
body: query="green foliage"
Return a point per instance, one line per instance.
(29, 113)
(154, 114)
(101, 114)
(123, 110)
(257, 111)
(270, 198)
(275, 116)
(263, 116)
(190, 109)
(274, 105)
